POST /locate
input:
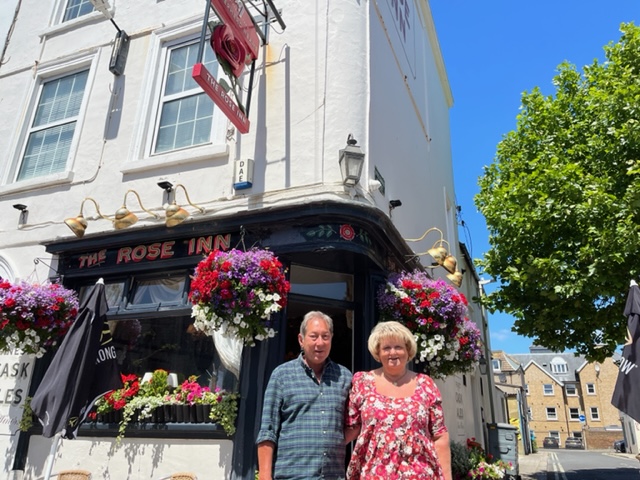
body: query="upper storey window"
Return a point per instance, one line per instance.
(558, 365)
(76, 8)
(51, 133)
(186, 112)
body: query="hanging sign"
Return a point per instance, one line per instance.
(213, 89)
(234, 14)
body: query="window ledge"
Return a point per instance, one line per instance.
(180, 157)
(156, 430)
(71, 24)
(37, 183)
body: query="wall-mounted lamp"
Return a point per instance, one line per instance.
(120, 49)
(23, 213)
(455, 278)
(394, 204)
(437, 251)
(175, 214)
(441, 257)
(78, 224)
(482, 365)
(165, 185)
(351, 161)
(124, 217)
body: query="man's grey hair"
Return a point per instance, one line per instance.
(315, 314)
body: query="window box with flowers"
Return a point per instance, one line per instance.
(34, 317)
(155, 402)
(436, 313)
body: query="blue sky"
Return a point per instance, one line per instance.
(494, 51)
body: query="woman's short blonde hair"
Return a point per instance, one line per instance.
(392, 329)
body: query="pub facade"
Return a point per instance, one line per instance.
(91, 128)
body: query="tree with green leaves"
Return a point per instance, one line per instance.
(562, 205)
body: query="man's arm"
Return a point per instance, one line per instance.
(351, 433)
(265, 460)
(443, 450)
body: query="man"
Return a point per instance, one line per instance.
(302, 431)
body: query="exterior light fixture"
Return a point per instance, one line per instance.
(165, 185)
(21, 207)
(175, 214)
(455, 278)
(441, 257)
(124, 217)
(78, 224)
(351, 161)
(482, 365)
(394, 204)
(120, 49)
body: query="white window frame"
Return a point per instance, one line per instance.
(544, 389)
(57, 25)
(141, 157)
(48, 72)
(551, 416)
(65, 6)
(591, 388)
(495, 365)
(595, 410)
(559, 366)
(575, 390)
(574, 414)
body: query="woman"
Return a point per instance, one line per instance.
(396, 415)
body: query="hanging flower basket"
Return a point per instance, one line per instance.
(436, 313)
(235, 292)
(33, 317)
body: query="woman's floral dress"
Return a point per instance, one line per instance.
(396, 436)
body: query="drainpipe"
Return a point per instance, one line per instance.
(487, 350)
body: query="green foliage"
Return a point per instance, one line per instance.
(460, 464)
(562, 204)
(26, 421)
(534, 446)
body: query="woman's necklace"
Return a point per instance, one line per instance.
(397, 380)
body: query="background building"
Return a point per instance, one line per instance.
(566, 396)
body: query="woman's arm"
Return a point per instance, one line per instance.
(443, 450)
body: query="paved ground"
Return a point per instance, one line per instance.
(534, 466)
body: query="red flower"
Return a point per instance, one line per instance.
(9, 302)
(347, 232)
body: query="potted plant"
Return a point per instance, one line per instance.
(34, 317)
(436, 313)
(235, 292)
(482, 465)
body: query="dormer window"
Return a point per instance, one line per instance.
(558, 365)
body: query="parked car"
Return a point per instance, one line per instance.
(573, 442)
(620, 446)
(550, 442)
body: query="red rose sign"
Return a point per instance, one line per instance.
(232, 51)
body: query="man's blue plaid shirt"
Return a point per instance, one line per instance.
(305, 419)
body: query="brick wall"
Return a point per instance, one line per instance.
(601, 439)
